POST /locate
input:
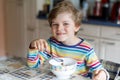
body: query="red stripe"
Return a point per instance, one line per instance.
(85, 46)
(95, 64)
(80, 62)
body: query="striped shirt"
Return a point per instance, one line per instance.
(82, 52)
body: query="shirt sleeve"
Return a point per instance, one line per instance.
(92, 61)
(35, 58)
(94, 64)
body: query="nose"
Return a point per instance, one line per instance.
(60, 27)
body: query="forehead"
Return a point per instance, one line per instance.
(63, 16)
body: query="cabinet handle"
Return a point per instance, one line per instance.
(109, 43)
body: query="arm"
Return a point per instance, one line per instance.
(33, 60)
(99, 73)
(37, 54)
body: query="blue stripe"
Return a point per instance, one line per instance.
(44, 55)
(96, 67)
(70, 49)
(37, 65)
(65, 46)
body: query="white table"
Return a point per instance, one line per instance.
(16, 69)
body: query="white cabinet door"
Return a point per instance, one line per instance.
(14, 30)
(110, 50)
(31, 22)
(44, 29)
(94, 42)
(110, 32)
(21, 26)
(89, 30)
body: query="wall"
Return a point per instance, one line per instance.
(76, 3)
(2, 26)
(40, 4)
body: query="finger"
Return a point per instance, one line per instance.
(45, 45)
(32, 45)
(38, 44)
(41, 45)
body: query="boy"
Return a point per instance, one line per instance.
(65, 20)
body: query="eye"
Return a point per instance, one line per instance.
(54, 25)
(66, 24)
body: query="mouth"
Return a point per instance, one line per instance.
(59, 34)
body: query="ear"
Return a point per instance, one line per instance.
(77, 28)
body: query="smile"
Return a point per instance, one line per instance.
(60, 33)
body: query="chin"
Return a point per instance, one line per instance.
(61, 39)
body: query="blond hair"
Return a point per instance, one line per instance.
(65, 6)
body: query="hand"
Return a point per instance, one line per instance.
(99, 75)
(39, 44)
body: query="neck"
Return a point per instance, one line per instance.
(72, 41)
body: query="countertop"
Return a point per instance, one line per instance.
(101, 22)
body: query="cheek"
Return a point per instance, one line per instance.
(53, 31)
(71, 31)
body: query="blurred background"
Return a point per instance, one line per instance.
(22, 21)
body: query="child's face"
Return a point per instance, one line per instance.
(63, 27)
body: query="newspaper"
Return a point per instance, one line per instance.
(16, 69)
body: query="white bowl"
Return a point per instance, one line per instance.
(63, 70)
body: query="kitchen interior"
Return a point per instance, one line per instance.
(22, 21)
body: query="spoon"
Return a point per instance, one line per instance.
(59, 60)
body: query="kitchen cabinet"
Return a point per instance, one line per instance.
(89, 30)
(14, 28)
(110, 43)
(104, 39)
(31, 24)
(110, 32)
(44, 29)
(110, 50)
(21, 26)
